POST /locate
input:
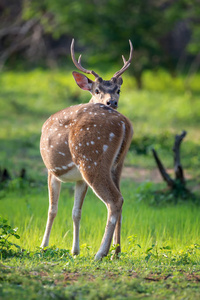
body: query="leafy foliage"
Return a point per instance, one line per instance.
(6, 232)
(163, 33)
(120, 21)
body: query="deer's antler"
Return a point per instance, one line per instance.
(78, 63)
(126, 63)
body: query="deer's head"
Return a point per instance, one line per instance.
(103, 91)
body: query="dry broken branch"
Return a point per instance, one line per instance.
(177, 161)
(179, 176)
(163, 172)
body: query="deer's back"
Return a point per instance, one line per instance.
(83, 135)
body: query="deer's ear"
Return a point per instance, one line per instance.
(82, 81)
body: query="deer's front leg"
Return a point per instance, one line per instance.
(80, 192)
(54, 192)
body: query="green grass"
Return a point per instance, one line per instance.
(160, 243)
(166, 225)
(160, 249)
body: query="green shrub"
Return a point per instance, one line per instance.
(6, 232)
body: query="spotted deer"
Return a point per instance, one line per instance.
(87, 144)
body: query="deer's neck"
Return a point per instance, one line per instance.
(93, 100)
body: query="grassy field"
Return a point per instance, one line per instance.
(160, 240)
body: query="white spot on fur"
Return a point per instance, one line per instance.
(51, 146)
(95, 163)
(64, 167)
(111, 136)
(92, 142)
(58, 168)
(95, 125)
(105, 147)
(70, 164)
(98, 138)
(80, 144)
(66, 142)
(88, 128)
(61, 153)
(87, 144)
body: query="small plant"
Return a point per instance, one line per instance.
(132, 243)
(6, 232)
(155, 252)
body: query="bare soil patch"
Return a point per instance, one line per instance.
(143, 174)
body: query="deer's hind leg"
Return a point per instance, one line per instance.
(104, 187)
(116, 174)
(54, 191)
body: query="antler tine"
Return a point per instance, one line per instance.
(124, 60)
(78, 63)
(79, 59)
(126, 63)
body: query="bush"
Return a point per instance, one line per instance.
(6, 232)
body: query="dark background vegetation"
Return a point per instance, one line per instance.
(164, 33)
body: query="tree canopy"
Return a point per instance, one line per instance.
(157, 29)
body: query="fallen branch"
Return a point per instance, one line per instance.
(163, 172)
(177, 160)
(179, 183)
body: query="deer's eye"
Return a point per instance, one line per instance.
(97, 91)
(118, 92)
